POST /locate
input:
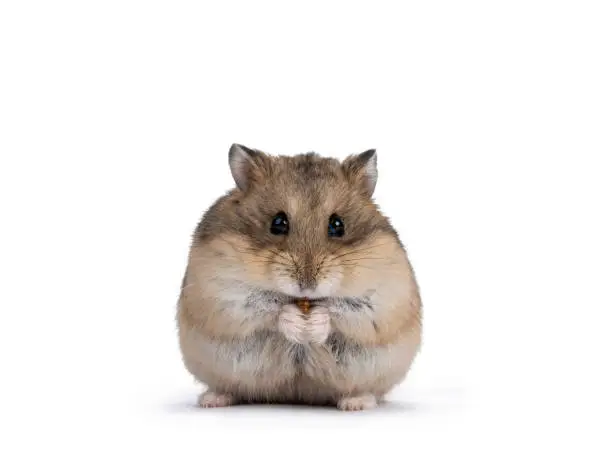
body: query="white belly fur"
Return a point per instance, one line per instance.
(267, 368)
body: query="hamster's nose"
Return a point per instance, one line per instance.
(307, 284)
(306, 277)
(306, 281)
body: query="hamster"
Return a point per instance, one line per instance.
(298, 228)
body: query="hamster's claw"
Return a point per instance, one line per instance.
(359, 403)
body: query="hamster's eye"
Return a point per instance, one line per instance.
(280, 224)
(335, 227)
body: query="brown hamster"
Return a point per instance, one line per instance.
(298, 228)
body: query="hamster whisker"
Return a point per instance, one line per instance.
(318, 268)
(359, 250)
(252, 259)
(269, 262)
(363, 258)
(250, 251)
(295, 263)
(352, 265)
(281, 255)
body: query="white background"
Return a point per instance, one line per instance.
(492, 122)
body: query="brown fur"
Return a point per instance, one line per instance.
(239, 275)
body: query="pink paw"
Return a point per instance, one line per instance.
(212, 399)
(292, 324)
(318, 325)
(359, 403)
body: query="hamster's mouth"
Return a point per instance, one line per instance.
(323, 289)
(312, 300)
(315, 299)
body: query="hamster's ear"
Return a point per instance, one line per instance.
(246, 165)
(362, 170)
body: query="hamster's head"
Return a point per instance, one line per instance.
(302, 225)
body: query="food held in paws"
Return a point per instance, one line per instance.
(304, 305)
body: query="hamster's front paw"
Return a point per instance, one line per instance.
(292, 324)
(318, 325)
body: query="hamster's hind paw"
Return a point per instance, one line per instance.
(359, 403)
(212, 399)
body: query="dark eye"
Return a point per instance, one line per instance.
(280, 224)
(335, 227)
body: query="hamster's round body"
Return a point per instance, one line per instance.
(295, 229)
